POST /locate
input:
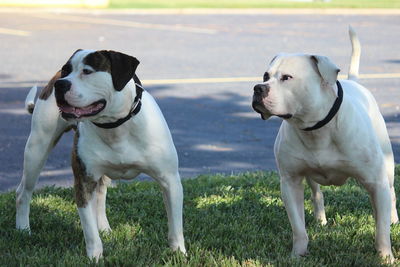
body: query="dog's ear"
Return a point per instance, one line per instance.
(76, 52)
(122, 67)
(273, 59)
(326, 69)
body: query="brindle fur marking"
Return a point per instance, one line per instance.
(69, 128)
(48, 89)
(83, 184)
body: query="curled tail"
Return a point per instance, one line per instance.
(355, 55)
(30, 99)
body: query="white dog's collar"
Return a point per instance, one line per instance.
(332, 112)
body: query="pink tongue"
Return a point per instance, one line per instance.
(67, 109)
(78, 112)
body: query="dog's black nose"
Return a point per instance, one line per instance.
(261, 88)
(61, 87)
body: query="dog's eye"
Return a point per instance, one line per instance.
(87, 71)
(266, 77)
(286, 77)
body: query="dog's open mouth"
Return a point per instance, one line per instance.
(68, 111)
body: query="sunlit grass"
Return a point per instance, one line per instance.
(236, 220)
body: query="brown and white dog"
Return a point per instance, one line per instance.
(332, 130)
(120, 133)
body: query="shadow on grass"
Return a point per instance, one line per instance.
(228, 221)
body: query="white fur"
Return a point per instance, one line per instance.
(355, 143)
(355, 55)
(141, 145)
(46, 127)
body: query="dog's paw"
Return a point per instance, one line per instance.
(104, 228)
(95, 254)
(22, 223)
(322, 220)
(181, 248)
(298, 254)
(300, 247)
(394, 219)
(388, 259)
(24, 229)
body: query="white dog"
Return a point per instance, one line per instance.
(121, 133)
(331, 131)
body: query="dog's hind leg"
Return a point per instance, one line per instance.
(318, 201)
(377, 185)
(389, 163)
(47, 127)
(101, 189)
(394, 216)
(173, 199)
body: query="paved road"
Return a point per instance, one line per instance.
(212, 124)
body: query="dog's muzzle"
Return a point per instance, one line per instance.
(260, 92)
(71, 112)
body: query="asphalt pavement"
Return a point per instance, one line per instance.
(201, 69)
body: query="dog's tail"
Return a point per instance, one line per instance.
(355, 55)
(30, 99)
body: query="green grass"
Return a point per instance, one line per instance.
(253, 4)
(228, 221)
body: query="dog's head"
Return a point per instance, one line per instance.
(292, 84)
(90, 79)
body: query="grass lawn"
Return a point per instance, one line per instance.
(228, 221)
(254, 4)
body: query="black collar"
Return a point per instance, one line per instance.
(137, 104)
(332, 112)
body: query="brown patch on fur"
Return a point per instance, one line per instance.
(83, 184)
(69, 128)
(48, 89)
(31, 107)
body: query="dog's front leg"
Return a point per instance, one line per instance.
(94, 247)
(292, 191)
(173, 199)
(86, 200)
(318, 201)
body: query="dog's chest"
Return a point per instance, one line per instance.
(120, 159)
(326, 168)
(327, 175)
